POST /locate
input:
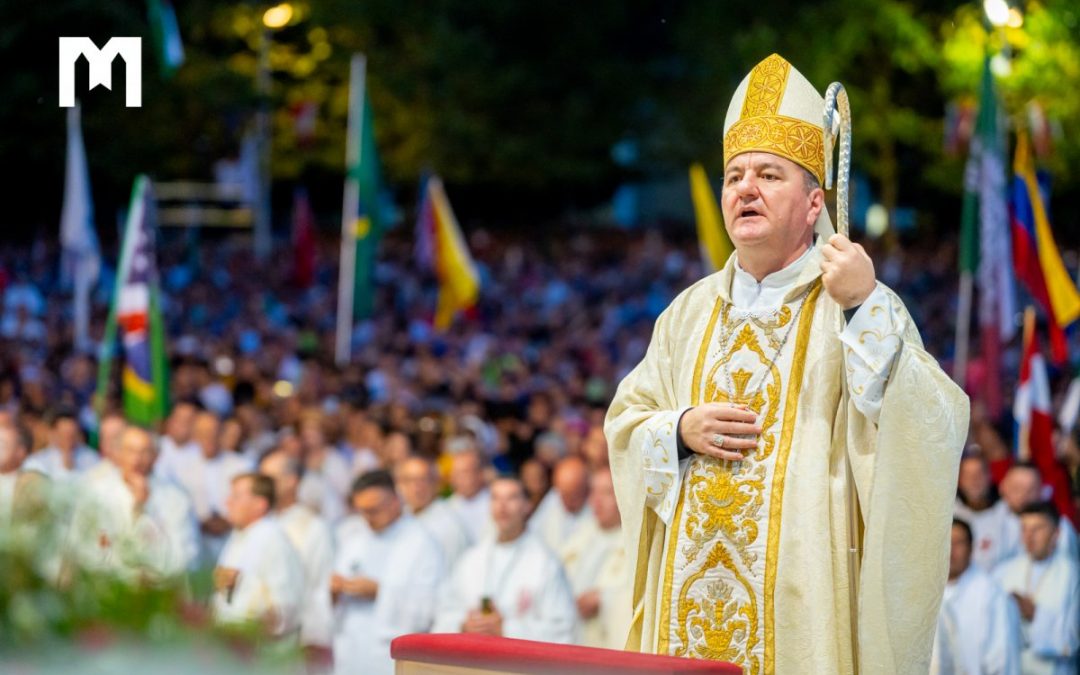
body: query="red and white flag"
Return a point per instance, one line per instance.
(1034, 420)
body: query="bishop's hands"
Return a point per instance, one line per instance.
(721, 430)
(847, 272)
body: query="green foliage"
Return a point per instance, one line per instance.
(49, 600)
(521, 103)
(1044, 66)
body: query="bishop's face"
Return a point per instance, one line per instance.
(767, 205)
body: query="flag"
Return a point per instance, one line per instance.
(1034, 422)
(166, 34)
(80, 261)
(442, 249)
(985, 251)
(303, 239)
(712, 237)
(1036, 256)
(136, 316)
(364, 212)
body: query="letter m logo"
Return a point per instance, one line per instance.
(127, 48)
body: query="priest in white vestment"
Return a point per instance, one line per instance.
(417, 481)
(595, 563)
(207, 475)
(995, 527)
(985, 624)
(176, 445)
(566, 510)
(1021, 487)
(509, 585)
(66, 457)
(731, 442)
(327, 475)
(110, 431)
(311, 537)
(384, 580)
(471, 498)
(128, 523)
(1046, 588)
(259, 579)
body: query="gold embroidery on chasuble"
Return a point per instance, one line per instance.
(720, 551)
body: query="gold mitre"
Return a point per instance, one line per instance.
(777, 110)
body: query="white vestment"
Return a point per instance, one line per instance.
(50, 462)
(595, 560)
(526, 584)
(170, 456)
(475, 514)
(555, 525)
(944, 659)
(407, 563)
(310, 536)
(445, 525)
(208, 482)
(995, 533)
(270, 582)
(985, 625)
(160, 540)
(749, 561)
(348, 528)
(319, 492)
(1051, 638)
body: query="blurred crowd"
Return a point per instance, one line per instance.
(439, 482)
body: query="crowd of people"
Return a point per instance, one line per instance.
(451, 482)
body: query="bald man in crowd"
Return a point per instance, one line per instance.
(595, 562)
(128, 523)
(417, 481)
(110, 433)
(565, 509)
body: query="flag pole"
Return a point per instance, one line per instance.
(963, 329)
(350, 210)
(1023, 448)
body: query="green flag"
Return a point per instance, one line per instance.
(363, 218)
(136, 316)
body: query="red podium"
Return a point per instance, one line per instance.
(485, 655)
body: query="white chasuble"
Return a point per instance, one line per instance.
(748, 562)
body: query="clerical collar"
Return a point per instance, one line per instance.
(748, 293)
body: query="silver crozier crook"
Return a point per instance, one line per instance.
(836, 105)
(838, 122)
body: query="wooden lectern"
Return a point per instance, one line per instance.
(457, 654)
